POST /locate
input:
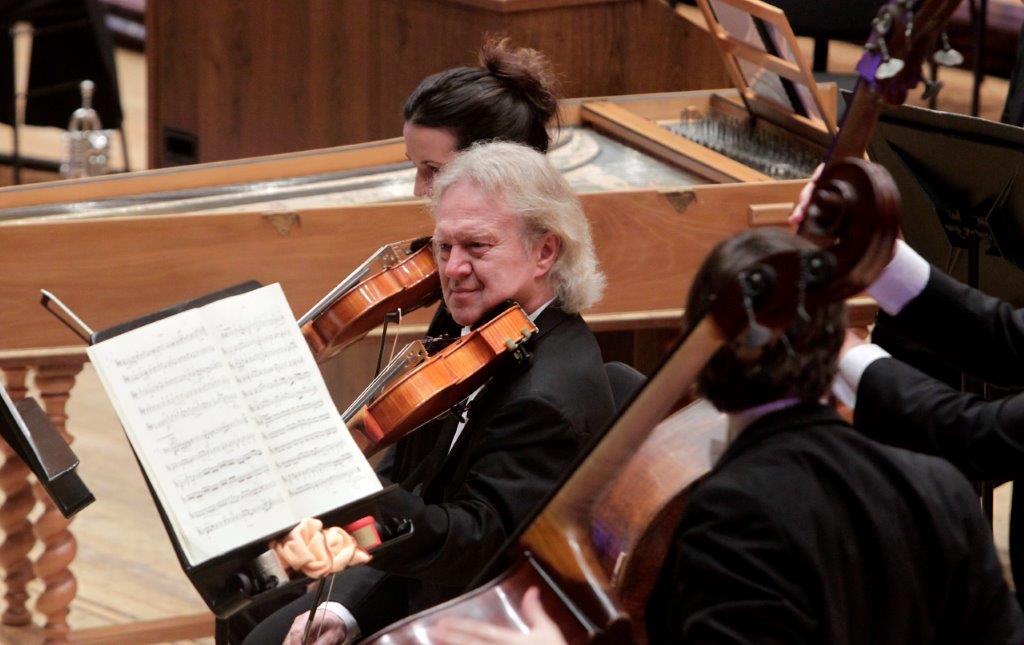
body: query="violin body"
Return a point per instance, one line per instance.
(403, 284)
(440, 382)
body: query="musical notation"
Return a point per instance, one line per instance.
(231, 420)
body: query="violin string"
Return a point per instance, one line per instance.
(383, 344)
(398, 332)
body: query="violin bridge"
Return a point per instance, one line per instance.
(387, 257)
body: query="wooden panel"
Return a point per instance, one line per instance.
(257, 76)
(296, 164)
(113, 270)
(649, 244)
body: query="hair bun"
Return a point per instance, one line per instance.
(522, 69)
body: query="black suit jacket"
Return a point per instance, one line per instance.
(523, 429)
(808, 532)
(979, 334)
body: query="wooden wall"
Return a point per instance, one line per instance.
(252, 77)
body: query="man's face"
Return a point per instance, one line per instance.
(483, 258)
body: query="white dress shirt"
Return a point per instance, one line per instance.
(902, 280)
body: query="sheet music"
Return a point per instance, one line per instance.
(316, 458)
(230, 418)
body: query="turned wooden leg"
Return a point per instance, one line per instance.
(54, 383)
(18, 504)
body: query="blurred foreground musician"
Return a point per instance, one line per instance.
(508, 227)
(806, 531)
(895, 403)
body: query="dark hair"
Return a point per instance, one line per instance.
(800, 363)
(510, 97)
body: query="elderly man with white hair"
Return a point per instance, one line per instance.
(507, 227)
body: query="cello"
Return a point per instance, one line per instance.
(593, 547)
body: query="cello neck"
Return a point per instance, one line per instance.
(560, 536)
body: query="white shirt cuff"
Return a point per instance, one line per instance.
(851, 368)
(902, 280)
(342, 612)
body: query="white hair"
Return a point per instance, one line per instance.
(523, 181)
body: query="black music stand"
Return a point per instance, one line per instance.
(961, 180)
(231, 582)
(33, 437)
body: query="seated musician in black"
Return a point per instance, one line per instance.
(805, 531)
(967, 330)
(508, 227)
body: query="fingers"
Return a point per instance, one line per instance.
(327, 628)
(317, 553)
(533, 610)
(817, 172)
(345, 551)
(800, 211)
(294, 636)
(296, 550)
(456, 631)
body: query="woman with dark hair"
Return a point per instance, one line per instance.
(510, 96)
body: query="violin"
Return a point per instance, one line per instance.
(415, 388)
(406, 279)
(595, 546)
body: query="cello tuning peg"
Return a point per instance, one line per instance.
(753, 284)
(757, 336)
(931, 89)
(946, 55)
(890, 67)
(948, 58)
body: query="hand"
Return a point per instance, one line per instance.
(315, 552)
(327, 629)
(543, 630)
(800, 212)
(852, 339)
